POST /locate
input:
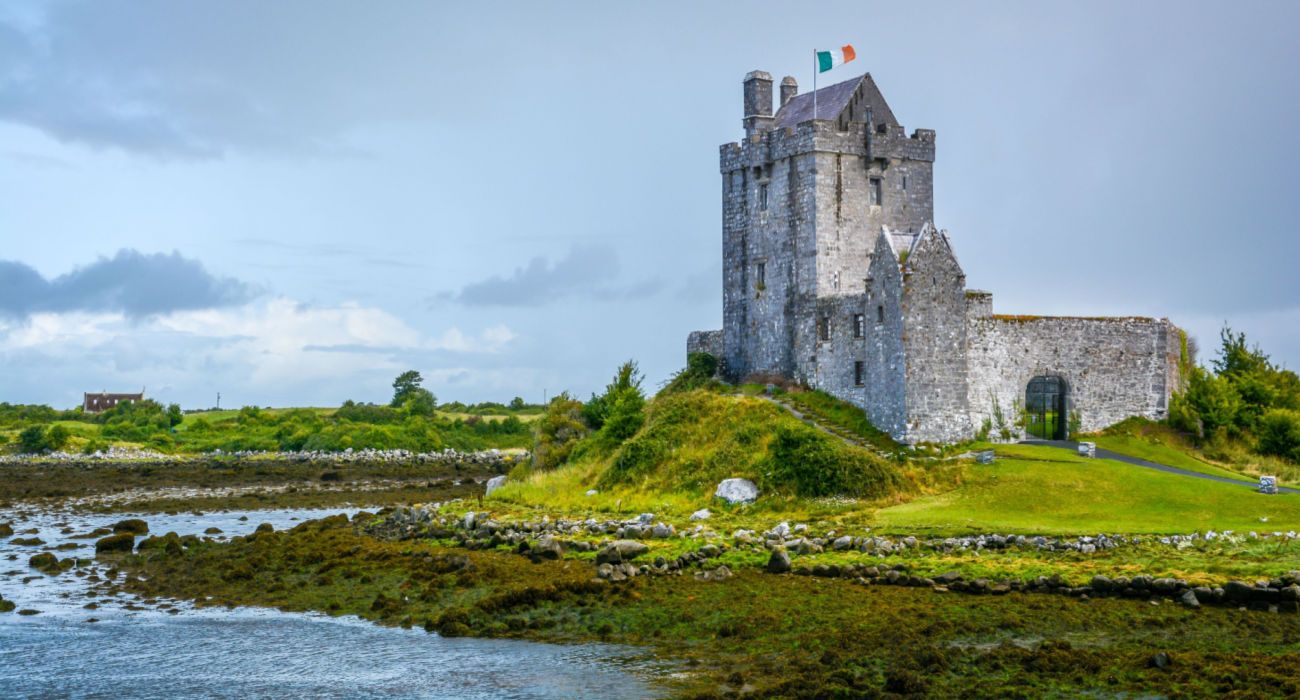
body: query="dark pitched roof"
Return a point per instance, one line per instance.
(833, 100)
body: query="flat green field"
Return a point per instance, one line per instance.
(1047, 490)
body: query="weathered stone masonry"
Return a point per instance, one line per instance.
(834, 277)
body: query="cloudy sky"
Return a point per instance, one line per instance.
(291, 202)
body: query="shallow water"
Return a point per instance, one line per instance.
(255, 653)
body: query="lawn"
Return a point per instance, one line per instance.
(1045, 490)
(1163, 454)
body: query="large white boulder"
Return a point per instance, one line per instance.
(737, 491)
(495, 483)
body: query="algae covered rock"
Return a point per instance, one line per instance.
(6, 529)
(6, 605)
(124, 542)
(132, 526)
(45, 563)
(779, 562)
(620, 551)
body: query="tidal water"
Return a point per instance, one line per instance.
(257, 653)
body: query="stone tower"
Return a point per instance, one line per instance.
(803, 197)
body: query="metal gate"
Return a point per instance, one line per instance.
(1045, 408)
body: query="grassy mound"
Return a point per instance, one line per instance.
(841, 415)
(1157, 442)
(694, 439)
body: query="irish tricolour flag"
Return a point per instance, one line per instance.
(827, 60)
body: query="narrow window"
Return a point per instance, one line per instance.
(762, 197)
(859, 371)
(762, 276)
(859, 326)
(875, 191)
(905, 182)
(824, 327)
(880, 314)
(835, 281)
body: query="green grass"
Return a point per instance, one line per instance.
(1133, 446)
(1045, 490)
(842, 415)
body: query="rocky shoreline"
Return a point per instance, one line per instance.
(553, 539)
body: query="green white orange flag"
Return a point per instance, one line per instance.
(827, 60)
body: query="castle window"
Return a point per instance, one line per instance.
(859, 373)
(824, 327)
(859, 326)
(875, 191)
(762, 276)
(762, 197)
(904, 182)
(880, 314)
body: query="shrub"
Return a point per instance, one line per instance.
(32, 440)
(700, 371)
(1279, 433)
(814, 464)
(557, 432)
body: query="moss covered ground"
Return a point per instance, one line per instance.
(757, 634)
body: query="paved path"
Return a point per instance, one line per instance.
(1108, 454)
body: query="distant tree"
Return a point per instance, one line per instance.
(420, 402)
(557, 432)
(56, 438)
(517, 403)
(32, 440)
(175, 415)
(406, 384)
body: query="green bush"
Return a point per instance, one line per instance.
(1279, 433)
(32, 440)
(557, 432)
(700, 373)
(807, 460)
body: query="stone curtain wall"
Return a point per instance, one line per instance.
(705, 341)
(1113, 367)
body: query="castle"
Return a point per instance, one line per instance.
(835, 277)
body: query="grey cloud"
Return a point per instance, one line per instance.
(585, 271)
(131, 282)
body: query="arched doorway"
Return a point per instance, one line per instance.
(1046, 408)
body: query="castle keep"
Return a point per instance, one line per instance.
(835, 277)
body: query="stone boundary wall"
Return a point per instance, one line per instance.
(705, 341)
(1113, 367)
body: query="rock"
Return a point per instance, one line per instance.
(134, 526)
(45, 563)
(469, 520)
(779, 562)
(842, 543)
(494, 483)
(948, 578)
(212, 531)
(701, 514)
(645, 519)
(736, 491)
(6, 530)
(620, 551)
(1188, 599)
(722, 573)
(1159, 660)
(1102, 584)
(592, 492)
(546, 547)
(662, 531)
(1236, 591)
(124, 542)
(265, 527)
(781, 530)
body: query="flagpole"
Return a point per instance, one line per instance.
(814, 84)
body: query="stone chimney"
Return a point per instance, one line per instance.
(789, 88)
(758, 102)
